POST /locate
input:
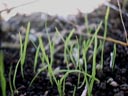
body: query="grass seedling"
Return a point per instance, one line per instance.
(84, 53)
(36, 59)
(105, 34)
(46, 59)
(51, 45)
(15, 72)
(39, 71)
(86, 45)
(23, 48)
(78, 64)
(2, 76)
(50, 61)
(10, 81)
(61, 84)
(66, 49)
(93, 68)
(87, 24)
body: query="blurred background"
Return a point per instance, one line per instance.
(52, 7)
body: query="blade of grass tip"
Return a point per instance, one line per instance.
(50, 44)
(21, 50)
(96, 32)
(25, 43)
(59, 34)
(21, 45)
(105, 34)
(43, 55)
(87, 24)
(2, 76)
(25, 49)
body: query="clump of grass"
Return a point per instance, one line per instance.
(23, 48)
(2, 76)
(93, 67)
(105, 34)
(66, 49)
(90, 81)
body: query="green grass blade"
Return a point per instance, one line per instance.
(2, 76)
(66, 45)
(23, 55)
(93, 68)
(15, 72)
(10, 81)
(36, 59)
(105, 34)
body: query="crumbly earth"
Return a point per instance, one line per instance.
(113, 82)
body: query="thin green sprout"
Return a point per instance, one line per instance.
(105, 34)
(2, 76)
(24, 49)
(74, 91)
(114, 56)
(40, 70)
(10, 81)
(66, 45)
(15, 72)
(93, 68)
(36, 59)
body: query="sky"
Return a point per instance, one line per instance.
(52, 7)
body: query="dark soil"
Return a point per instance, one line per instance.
(113, 82)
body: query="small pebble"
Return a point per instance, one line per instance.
(124, 87)
(114, 84)
(111, 82)
(98, 67)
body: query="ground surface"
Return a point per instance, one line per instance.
(112, 82)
